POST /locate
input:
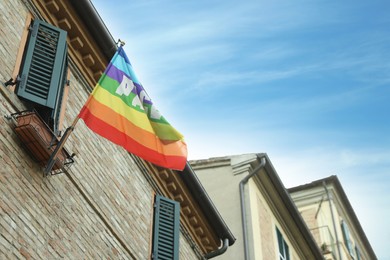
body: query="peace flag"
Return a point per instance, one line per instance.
(120, 110)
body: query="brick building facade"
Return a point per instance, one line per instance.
(102, 206)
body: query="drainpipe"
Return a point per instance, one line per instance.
(219, 251)
(333, 221)
(243, 207)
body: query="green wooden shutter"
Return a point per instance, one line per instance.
(43, 68)
(166, 229)
(58, 102)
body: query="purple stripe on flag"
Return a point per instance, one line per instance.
(115, 73)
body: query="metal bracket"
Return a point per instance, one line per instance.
(53, 156)
(11, 82)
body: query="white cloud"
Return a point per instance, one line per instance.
(309, 71)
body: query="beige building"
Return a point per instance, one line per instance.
(249, 194)
(331, 219)
(98, 201)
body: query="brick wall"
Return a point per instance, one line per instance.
(100, 208)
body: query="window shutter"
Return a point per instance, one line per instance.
(56, 113)
(43, 70)
(166, 229)
(347, 238)
(280, 242)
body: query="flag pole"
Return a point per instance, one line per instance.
(69, 130)
(60, 145)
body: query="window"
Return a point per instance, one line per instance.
(284, 253)
(43, 73)
(166, 229)
(347, 238)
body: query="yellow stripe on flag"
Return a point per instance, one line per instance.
(115, 103)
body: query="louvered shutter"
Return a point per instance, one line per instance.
(166, 229)
(43, 71)
(56, 112)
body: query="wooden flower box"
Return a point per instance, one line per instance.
(39, 140)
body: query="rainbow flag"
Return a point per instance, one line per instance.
(120, 110)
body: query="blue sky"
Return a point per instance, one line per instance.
(306, 82)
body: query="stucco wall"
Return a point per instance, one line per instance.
(222, 187)
(101, 208)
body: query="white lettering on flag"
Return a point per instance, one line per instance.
(125, 87)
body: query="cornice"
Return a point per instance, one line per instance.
(239, 163)
(210, 163)
(243, 164)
